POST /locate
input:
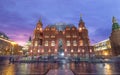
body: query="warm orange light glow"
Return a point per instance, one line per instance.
(13, 43)
(83, 50)
(42, 51)
(55, 50)
(78, 50)
(49, 50)
(63, 32)
(72, 50)
(81, 42)
(40, 29)
(80, 29)
(8, 41)
(31, 51)
(105, 53)
(38, 51)
(21, 51)
(90, 50)
(65, 50)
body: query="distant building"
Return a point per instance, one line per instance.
(3, 44)
(3, 35)
(8, 47)
(103, 48)
(74, 41)
(115, 37)
(27, 46)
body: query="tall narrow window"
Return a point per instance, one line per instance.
(68, 43)
(46, 43)
(52, 43)
(36, 43)
(74, 43)
(81, 42)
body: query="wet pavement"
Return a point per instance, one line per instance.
(41, 68)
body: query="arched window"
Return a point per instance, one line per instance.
(81, 42)
(74, 43)
(52, 43)
(68, 43)
(46, 43)
(36, 43)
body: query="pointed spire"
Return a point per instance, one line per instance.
(114, 20)
(40, 20)
(115, 25)
(81, 18)
(81, 22)
(30, 39)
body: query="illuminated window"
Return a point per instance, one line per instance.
(52, 43)
(37, 28)
(40, 29)
(46, 43)
(83, 50)
(90, 50)
(68, 43)
(52, 36)
(72, 50)
(80, 29)
(53, 28)
(83, 27)
(67, 36)
(74, 36)
(78, 50)
(46, 36)
(38, 51)
(67, 28)
(81, 43)
(74, 43)
(65, 50)
(36, 43)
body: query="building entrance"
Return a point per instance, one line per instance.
(60, 49)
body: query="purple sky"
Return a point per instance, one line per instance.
(18, 18)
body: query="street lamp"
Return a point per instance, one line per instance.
(13, 43)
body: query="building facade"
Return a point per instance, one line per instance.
(4, 46)
(115, 37)
(8, 47)
(75, 40)
(103, 48)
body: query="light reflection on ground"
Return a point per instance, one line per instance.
(81, 68)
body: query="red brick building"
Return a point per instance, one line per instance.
(75, 40)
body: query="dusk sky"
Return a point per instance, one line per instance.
(18, 18)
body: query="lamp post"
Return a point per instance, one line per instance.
(12, 51)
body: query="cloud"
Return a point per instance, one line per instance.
(19, 17)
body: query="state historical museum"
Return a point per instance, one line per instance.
(74, 40)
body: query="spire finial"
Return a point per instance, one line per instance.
(40, 19)
(81, 17)
(114, 20)
(30, 39)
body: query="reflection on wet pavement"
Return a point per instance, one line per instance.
(81, 68)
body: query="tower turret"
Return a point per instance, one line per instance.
(81, 22)
(83, 32)
(115, 37)
(115, 25)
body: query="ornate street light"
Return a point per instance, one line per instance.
(13, 43)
